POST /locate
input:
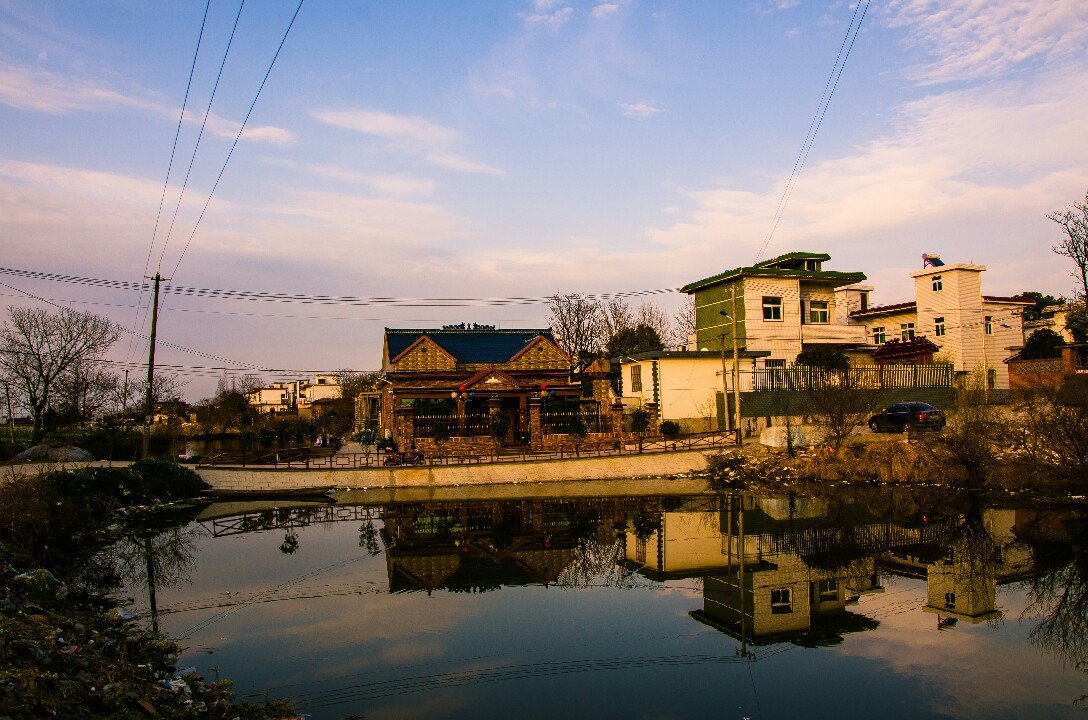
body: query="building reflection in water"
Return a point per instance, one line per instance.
(773, 568)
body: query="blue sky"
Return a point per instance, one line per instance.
(499, 149)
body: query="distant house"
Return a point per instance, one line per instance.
(316, 393)
(454, 381)
(279, 397)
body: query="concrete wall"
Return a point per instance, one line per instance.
(257, 480)
(775, 403)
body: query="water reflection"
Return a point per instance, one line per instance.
(772, 571)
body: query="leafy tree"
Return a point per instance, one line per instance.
(38, 347)
(1076, 322)
(1041, 303)
(640, 338)
(824, 357)
(1074, 222)
(1043, 343)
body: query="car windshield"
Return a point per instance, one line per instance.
(921, 407)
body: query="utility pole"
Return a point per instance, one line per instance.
(11, 418)
(149, 402)
(732, 315)
(736, 366)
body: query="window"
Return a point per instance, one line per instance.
(636, 378)
(772, 308)
(991, 379)
(776, 372)
(989, 324)
(864, 301)
(321, 381)
(829, 590)
(880, 335)
(781, 601)
(950, 600)
(938, 326)
(938, 284)
(907, 331)
(818, 313)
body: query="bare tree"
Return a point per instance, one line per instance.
(576, 322)
(83, 392)
(616, 317)
(37, 347)
(654, 317)
(839, 401)
(684, 321)
(1074, 221)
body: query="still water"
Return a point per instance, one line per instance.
(659, 603)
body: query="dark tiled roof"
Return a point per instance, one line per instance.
(881, 309)
(1013, 299)
(468, 346)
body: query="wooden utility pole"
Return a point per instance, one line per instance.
(736, 368)
(11, 418)
(149, 402)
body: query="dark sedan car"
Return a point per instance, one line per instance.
(916, 415)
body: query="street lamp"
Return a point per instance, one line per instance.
(736, 364)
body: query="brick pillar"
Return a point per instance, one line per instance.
(403, 432)
(617, 417)
(655, 421)
(536, 430)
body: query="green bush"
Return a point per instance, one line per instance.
(670, 428)
(640, 420)
(165, 479)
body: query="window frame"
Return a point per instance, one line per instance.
(781, 601)
(772, 303)
(937, 283)
(880, 335)
(906, 331)
(636, 378)
(989, 324)
(819, 315)
(939, 327)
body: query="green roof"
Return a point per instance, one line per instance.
(821, 257)
(768, 268)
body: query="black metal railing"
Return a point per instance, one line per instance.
(326, 459)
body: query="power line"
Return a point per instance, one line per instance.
(814, 126)
(303, 298)
(170, 165)
(237, 137)
(200, 135)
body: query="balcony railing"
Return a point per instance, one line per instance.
(800, 377)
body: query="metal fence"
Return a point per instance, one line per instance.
(563, 422)
(474, 425)
(802, 377)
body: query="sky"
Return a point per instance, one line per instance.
(516, 148)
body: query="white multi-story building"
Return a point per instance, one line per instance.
(295, 394)
(783, 305)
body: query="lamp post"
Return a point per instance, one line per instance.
(736, 363)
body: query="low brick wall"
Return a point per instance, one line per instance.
(477, 445)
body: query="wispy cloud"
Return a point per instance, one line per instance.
(40, 90)
(426, 138)
(640, 110)
(605, 9)
(972, 39)
(382, 124)
(461, 164)
(396, 185)
(543, 16)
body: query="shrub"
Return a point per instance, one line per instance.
(670, 428)
(167, 480)
(640, 420)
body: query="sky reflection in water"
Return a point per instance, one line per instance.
(639, 615)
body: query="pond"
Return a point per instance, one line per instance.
(901, 604)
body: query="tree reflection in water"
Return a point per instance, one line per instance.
(152, 560)
(1059, 590)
